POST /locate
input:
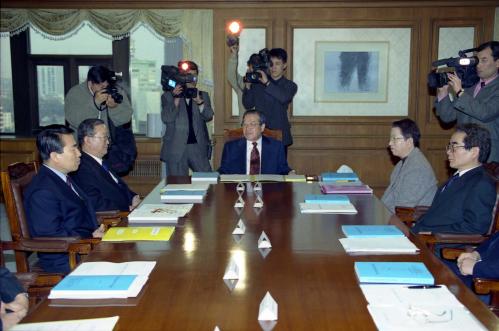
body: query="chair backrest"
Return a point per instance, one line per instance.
(238, 133)
(14, 181)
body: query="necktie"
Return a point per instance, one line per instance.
(478, 88)
(254, 160)
(105, 166)
(450, 181)
(71, 186)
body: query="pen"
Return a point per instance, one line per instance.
(423, 286)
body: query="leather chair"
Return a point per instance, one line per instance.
(14, 181)
(481, 285)
(234, 134)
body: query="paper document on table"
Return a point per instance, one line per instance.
(186, 187)
(394, 245)
(141, 268)
(424, 318)
(138, 233)
(327, 208)
(159, 213)
(93, 324)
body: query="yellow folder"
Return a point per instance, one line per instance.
(136, 233)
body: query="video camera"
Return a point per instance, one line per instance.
(258, 61)
(172, 76)
(465, 68)
(111, 88)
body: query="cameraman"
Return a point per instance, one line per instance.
(272, 95)
(84, 100)
(186, 142)
(235, 79)
(479, 103)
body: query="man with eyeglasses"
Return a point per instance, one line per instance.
(412, 182)
(476, 104)
(254, 154)
(464, 203)
(105, 189)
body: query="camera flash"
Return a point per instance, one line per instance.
(184, 66)
(234, 27)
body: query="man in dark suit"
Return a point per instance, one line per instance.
(464, 203)
(105, 189)
(242, 156)
(14, 298)
(54, 206)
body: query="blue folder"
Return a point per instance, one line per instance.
(371, 231)
(95, 283)
(326, 198)
(339, 176)
(393, 273)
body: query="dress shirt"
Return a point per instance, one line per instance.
(64, 178)
(249, 147)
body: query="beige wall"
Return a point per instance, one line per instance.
(496, 25)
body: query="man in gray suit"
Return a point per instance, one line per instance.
(477, 104)
(412, 182)
(186, 142)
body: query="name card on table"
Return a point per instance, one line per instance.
(240, 228)
(264, 241)
(232, 270)
(268, 309)
(240, 188)
(239, 203)
(258, 202)
(257, 187)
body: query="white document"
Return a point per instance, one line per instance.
(424, 318)
(141, 268)
(264, 241)
(379, 245)
(403, 295)
(186, 187)
(240, 228)
(159, 213)
(232, 270)
(235, 178)
(94, 324)
(268, 309)
(327, 208)
(258, 202)
(239, 203)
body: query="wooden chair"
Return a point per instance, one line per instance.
(481, 285)
(234, 134)
(14, 181)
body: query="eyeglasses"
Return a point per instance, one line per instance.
(451, 147)
(394, 139)
(107, 138)
(251, 125)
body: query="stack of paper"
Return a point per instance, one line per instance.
(205, 177)
(400, 307)
(184, 193)
(93, 324)
(159, 213)
(371, 231)
(339, 177)
(346, 189)
(147, 233)
(393, 273)
(379, 245)
(104, 280)
(327, 208)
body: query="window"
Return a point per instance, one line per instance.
(6, 95)
(148, 53)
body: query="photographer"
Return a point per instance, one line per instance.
(479, 103)
(235, 79)
(272, 94)
(185, 111)
(98, 91)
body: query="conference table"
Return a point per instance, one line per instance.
(306, 271)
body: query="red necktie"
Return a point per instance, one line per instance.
(255, 160)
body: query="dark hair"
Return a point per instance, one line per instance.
(476, 136)
(87, 128)
(49, 140)
(254, 58)
(257, 112)
(279, 53)
(409, 129)
(99, 74)
(192, 65)
(493, 45)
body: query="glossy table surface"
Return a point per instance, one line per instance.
(306, 271)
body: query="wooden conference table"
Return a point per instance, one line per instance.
(307, 271)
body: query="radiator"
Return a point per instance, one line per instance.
(146, 168)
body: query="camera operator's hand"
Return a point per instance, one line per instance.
(101, 97)
(234, 49)
(455, 82)
(176, 92)
(110, 102)
(199, 99)
(264, 79)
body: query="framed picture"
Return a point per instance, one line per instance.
(351, 71)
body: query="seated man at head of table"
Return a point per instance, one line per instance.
(54, 205)
(464, 203)
(105, 189)
(254, 154)
(412, 182)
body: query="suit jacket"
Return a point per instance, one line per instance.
(488, 267)
(54, 210)
(465, 206)
(177, 126)
(412, 183)
(273, 159)
(483, 109)
(104, 193)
